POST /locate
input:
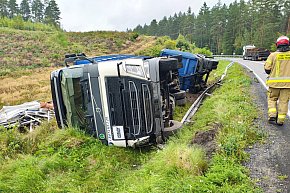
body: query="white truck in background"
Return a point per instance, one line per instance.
(251, 52)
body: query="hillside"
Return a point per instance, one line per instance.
(44, 48)
(28, 57)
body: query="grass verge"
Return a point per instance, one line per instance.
(53, 160)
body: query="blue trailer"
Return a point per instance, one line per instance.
(194, 68)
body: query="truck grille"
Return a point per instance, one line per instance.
(135, 108)
(147, 108)
(112, 109)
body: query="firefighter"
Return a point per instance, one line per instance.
(277, 67)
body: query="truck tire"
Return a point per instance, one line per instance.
(172, 130)
(167, 64)
(179, 95)
(181, 102)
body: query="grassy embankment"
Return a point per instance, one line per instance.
(53, 160)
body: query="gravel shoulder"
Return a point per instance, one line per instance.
(269, 162)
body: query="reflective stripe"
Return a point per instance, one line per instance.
(272, 110)
(273, 81)
(282, 117)
(278, 79)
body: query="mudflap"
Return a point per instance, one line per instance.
(172, 130)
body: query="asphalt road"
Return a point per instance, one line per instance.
(256, 66)
(258, 69)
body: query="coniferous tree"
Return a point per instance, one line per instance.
(203, 21)
(37, 10)
(162, 25)
(24, 10)
(153, 28)
(3, 8)
(13, 9)
(189, 23)
(139, 29)
(286, 20)
(170, 27)
(52, 13)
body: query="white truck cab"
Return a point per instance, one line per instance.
(122, 102)
(245, 49)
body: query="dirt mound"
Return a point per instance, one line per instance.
(207, 140)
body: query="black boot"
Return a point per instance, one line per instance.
(279, 123)
(272, 120)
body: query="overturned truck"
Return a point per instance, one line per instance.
(126, 100)
(121, 100)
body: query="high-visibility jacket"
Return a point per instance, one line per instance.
(279, 65)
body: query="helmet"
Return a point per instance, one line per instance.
(282, 41)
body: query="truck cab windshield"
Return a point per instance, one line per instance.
(73, 97)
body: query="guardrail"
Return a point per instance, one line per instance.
(194, 107)
(227, 56)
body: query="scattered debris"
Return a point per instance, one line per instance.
(28, 114)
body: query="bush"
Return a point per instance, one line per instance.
(182, 43)
(18, 23)
(170, 44)
(204, 51)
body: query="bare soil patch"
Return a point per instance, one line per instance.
(207, 140)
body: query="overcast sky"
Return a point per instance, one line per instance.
(93, 15)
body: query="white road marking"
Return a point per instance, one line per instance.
(257, 76)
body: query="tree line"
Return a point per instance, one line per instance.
(227, 28)
(46, 11)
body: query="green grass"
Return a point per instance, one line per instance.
(54, 160)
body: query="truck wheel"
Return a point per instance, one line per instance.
(179, 95)
(173, 129)
(181, 102)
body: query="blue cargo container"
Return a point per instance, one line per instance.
(189, 66)
(194, 67)
(104, 58)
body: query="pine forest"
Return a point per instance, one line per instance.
(227, 28)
